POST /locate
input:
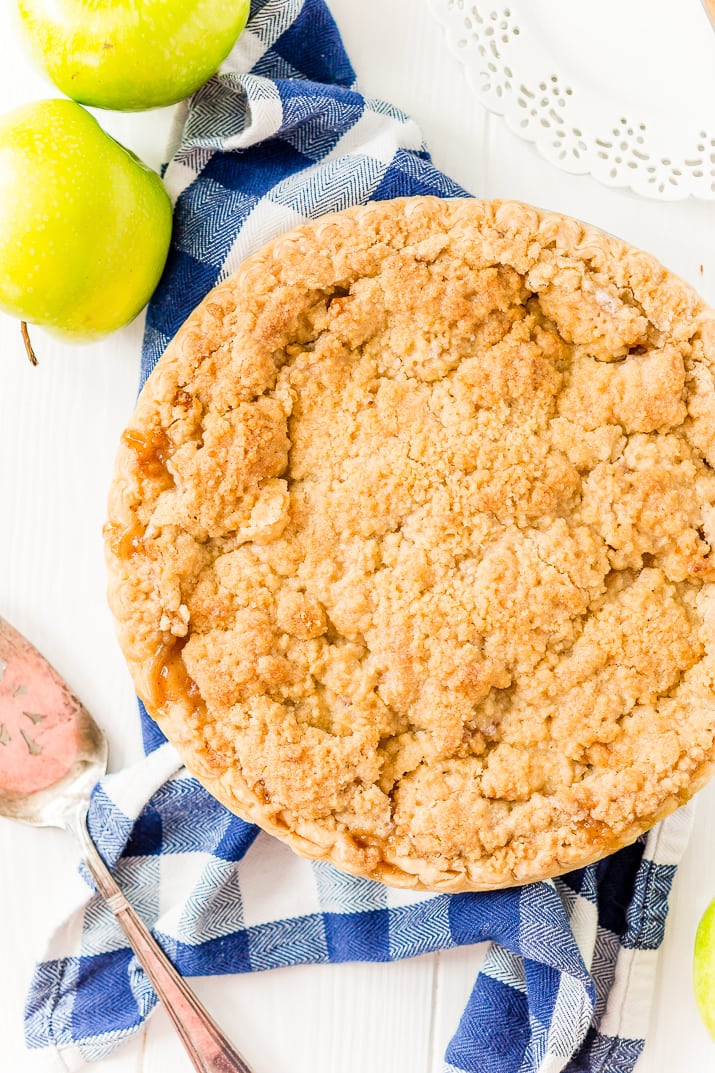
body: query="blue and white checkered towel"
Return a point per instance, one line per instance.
(282, 135)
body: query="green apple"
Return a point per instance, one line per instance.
(84, 224)
(131, 54)
(704, 968)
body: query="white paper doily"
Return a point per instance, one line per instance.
(623, 90)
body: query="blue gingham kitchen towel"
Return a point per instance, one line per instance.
(282, 135)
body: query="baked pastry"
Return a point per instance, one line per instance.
(409, 542)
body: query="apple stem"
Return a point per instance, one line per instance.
(28, 345)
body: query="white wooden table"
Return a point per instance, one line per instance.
(59, 426)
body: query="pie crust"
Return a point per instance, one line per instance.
(409, 542)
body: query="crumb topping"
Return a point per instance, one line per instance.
(410, 542)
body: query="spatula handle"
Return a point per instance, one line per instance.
(207, 1046)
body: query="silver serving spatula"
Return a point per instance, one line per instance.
(51, 755)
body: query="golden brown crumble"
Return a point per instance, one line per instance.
(410, 542)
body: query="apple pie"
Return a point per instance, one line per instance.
(410, 542)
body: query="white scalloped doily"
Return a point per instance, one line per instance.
(621, 89)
